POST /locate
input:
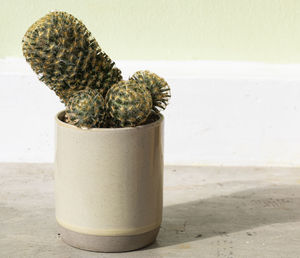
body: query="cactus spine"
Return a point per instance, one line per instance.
(66, 57)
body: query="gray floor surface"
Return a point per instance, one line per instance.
(208, 212)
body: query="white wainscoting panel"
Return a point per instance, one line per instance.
(220, 113)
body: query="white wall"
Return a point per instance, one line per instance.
(220, 113)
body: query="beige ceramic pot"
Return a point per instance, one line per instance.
(108, 185)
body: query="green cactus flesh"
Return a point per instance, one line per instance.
(86, 109)
(158, 87)
(66, 57)
(128, 104)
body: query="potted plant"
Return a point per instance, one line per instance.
(109, 139)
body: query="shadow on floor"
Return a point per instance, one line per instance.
(241, 211)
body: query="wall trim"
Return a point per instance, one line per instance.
(221, 113)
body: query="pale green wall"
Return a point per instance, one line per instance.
(255, 30)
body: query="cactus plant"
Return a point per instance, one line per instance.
(128, 103)
(69, 61)
(159, 88)
(66, 57)
(86, 109)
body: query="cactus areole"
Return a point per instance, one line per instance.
(65, 56)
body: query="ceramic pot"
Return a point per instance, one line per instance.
(109, 185)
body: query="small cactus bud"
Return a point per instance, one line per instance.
(158, 87)
(86, 109)
(128, 104)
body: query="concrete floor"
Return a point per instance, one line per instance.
(208, 212)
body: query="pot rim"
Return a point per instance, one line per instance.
(139, 127)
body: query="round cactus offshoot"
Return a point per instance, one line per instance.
(128, 104)
(86, 109)
(158, 87)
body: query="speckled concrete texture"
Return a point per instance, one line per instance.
(208, 212)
